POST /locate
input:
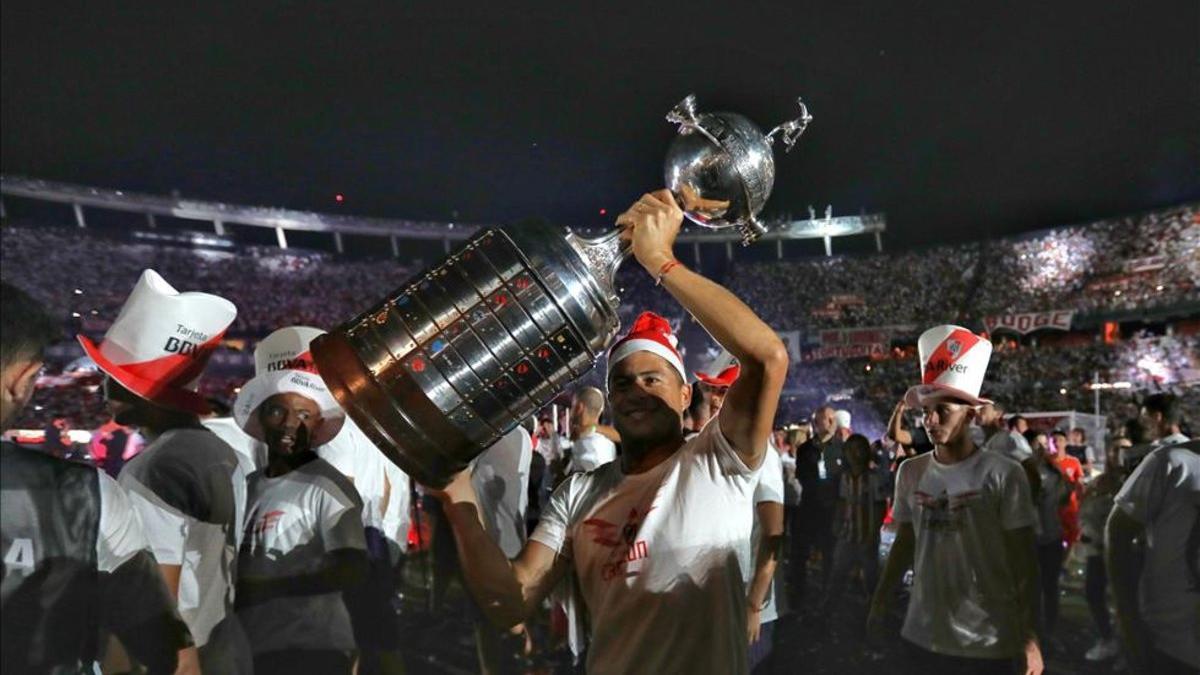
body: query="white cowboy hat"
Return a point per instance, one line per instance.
(283, 365)
(161, 341)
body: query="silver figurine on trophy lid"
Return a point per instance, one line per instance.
(440, 368)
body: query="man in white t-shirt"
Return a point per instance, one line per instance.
(766, 535)
(304, 545)
(766, 542)
(589, 449)
(965, 526)
(500, 477)
(380, 485)
(658, 542)
(1153, 542)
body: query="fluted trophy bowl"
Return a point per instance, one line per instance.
(442, 367)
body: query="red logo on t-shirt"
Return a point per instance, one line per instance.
(626, 546)
(268, 521)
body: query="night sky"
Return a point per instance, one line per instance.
(957, 119)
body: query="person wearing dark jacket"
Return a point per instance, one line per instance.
(76, 561)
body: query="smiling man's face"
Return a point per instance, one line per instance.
(647, 397)
(283, 416)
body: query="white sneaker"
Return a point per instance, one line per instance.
(1102, 650)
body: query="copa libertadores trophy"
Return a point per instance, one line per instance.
(456, 357)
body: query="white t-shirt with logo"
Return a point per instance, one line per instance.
(661, 559)
(1163, 494)
(768, 490)
(501, 481)
(964, 595)
(293, 522)
(590, 452)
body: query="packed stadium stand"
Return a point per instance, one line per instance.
(1133, 284)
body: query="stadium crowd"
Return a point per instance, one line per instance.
(1139, 262)
(839, 510)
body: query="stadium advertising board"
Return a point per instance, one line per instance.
(1028, 322)
(853, 343)
(857, 351)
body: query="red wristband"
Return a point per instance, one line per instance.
(665, 269)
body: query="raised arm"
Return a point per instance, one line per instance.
(896, 430)
(748, 414)
(506, 590)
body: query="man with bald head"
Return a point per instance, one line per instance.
(589, 449)
(819, 464)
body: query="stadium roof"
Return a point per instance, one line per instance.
(956, 120)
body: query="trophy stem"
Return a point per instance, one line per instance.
(603, 255)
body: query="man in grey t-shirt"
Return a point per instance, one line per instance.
(1153, 543)
(186, 486)
(965, 526)
(182, 487)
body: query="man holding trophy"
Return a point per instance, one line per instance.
(657, 542)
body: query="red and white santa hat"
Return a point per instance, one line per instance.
(953, 363)
(161, 341)
(725, 378)
(726, 368)
(283, 364)
(649, 333)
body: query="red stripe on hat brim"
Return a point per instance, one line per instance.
(725, 378)
(157, 392)
(175, 368)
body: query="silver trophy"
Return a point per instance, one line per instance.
(721, 168)
(445, 365)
